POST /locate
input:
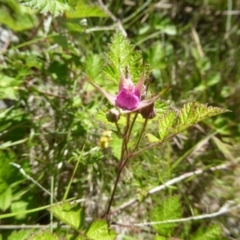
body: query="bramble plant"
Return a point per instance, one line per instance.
(97, 142)
(127, 109)
(132, 103)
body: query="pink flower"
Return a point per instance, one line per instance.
(128, 98)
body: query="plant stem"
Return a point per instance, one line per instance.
(136, 146)
(113, 191)
(133, 154)
(141, 134)
(121, 163)
(126, 137)
(131, 127)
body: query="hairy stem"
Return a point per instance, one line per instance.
(136, 146)
(141, 134)
(121, 163)
(131, 127)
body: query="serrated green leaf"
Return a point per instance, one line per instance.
(43, 235)
(185, 114)
(212, 232)
(83, 10)
(193, 112)
(169, 209)
(20, 235)
(56, 7)
(5, 195)
(99, 230)
(165, 124)
(69, 213)
(151, 138)
(121, 54)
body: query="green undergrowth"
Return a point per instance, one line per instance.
(59, 154)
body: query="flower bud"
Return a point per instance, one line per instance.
(148, 112)
(113, 115)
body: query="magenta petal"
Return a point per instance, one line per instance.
(127, 100)
(139, 86)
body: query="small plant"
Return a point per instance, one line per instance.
(129, 107)
(91, 126)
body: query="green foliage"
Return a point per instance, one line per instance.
(20, 235)
(43, 236)
(14, 123)
(53, 124)
(73, 9)
(71, 214)
(170, 208)
(5, 195)
(151, 138)
(115, 146)
(8, 177)
(92, 66)
(166, 123)
(121, 54)
(8, 87)
(82, 10)
(16, 17)
(159, 238)
(194, 112)
(212, 232)
(190, 114)
(99, 230)
(56, 7)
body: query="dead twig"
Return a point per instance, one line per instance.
(116, 20)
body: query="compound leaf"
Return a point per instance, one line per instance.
(166, 123)
(169, 209)
(194, 112)
(82, 10)
(56, 7)
(121, 54)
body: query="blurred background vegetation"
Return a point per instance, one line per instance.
(48, 112)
